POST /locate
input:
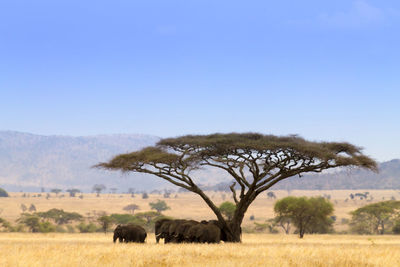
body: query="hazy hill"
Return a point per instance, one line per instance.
(29, 162)
(387, 178)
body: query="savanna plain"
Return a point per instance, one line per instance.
(256, 249)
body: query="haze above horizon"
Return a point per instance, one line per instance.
(324, 70)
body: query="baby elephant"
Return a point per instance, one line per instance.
(130, 233)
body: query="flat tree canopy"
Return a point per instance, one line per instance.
(255, 161)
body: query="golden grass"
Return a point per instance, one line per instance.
(23, 249)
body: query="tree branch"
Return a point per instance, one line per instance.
(232, 187)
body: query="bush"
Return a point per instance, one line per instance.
(87, 228)
(5, 225)
(3, 193)
(70, 229)
(123, 218)
(396, 228)
(60, 229)
(46, 227)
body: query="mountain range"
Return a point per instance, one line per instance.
(30, 162)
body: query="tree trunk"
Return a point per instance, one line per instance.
(236, 222)
(301, 233)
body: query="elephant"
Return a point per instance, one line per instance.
(161, 230)
(129, 233)
(208, 233)
(172, 230)
(191, 234)
(182, 229)
(224, 236)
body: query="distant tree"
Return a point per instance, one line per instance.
(131, 208)
(56, 191)
(113, 190)
(72, 192)
(5, 225)
(167, 194)
(32, 208)
(131, 191)
(148, 216)
(60, 216)
(3, 193)
(105, 222)
(23, 207)
(307, 214)
(374, 218)
(271, 195)
(42, 190)
(159, 206)
(145, 195)
(361, 196)
(227, 209)
(98, 188)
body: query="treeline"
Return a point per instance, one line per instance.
(301, 215)
(58, 220)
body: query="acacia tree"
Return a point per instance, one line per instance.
(131, 208)
(159, 206)
(98, 188)
(255, 161)
(374, 218)
(309, 215)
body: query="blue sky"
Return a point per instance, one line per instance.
(327, 70)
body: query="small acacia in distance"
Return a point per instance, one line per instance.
(309, 215)
(256, 162)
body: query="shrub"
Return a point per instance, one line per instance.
(87, 228)
(46, 227)
(60, 229)
(3, 193)
(70, 229)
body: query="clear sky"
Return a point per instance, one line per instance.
(326, 70)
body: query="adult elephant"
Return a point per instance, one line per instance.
(130, 233)
(182, 229)
(173, 230)
(208, 233)
(224, 235)
(161, 230)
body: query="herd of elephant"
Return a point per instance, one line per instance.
(174, 231)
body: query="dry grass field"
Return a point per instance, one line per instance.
(34, 250)
(56, 249)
